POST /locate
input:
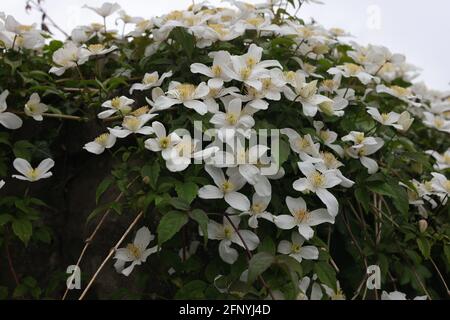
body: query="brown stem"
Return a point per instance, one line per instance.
(249, 256)
(110, 254)
(89, 240)
(39, 7)
(10, 261)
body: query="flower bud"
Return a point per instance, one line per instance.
(146, 180)
(423, 225)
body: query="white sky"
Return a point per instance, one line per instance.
(415, 28)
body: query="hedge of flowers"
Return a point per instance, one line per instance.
(361, 162)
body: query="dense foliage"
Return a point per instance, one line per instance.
(363, 158)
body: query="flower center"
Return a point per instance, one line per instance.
(400, 91)
(96, 48)
(164, 142)
(115, 103)
(385, 117)
(438, 122)
(216, 70)
(255, 21)
(134, 250)
(296, 248)
(132, 123)
(232, 118)
(317, 179)
(352, 68)
(257, 208)
(150, 79)
(228, 231)
(302, 215)
(447, 158)
(227, 186)
(186, 91)
(359, 138)
(102, 139)
(245, 73)
(33, 174)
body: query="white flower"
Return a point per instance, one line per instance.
(318, 181)
(227, 235)
(135, 252)
(2, 183)
(186, 94)
(304, 146)
(334, 107)
(352, 70)
(102, 142)
(68, 57)
(437, 122)
(95, 50)
(150, 80)
(302, 218)
(361, 153)
(440, 183)
(186, 150)
(225, 189)
(334, 295)
(387, 119)
(233, 118)
(442, 160)
(217, 93)
(328, 137)
(133, 124)
(258, 210)
(404, 94)
(329, 162)
(405, 121)
(105, 10)
(296, 250)
(34, 108)
(7, 119)
(215, 72)
(397, 295)
(121, 105)
(30, 174)
(359, 139)
(306, 94)
(162, 142)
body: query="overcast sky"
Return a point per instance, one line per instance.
(415, 28)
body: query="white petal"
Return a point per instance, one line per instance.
(210, 192)
(284, 222)
(237, 201)
(329, 200)
(228, 254)
(10, 121)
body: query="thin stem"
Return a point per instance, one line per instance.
(110, 254)
(440, 276)
(39, 7)
(89, 240)
(249, 255)
(10, 261)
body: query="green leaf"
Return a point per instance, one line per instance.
(326, 274)
(192, 290)
(424, 246)
(23, 229)
(362, 196)
(151, 173)
(23, 149)
(259, 263)
(103, 186)
(184, 39)
(180, 204)
(5, 218)
(202, 219)
(170, 224)
(187, 191)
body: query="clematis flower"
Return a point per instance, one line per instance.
(31, 174)
(67, 57)
(442, 160)
(7, 119)
(34, 108)
(226, 189)
(232, 119)
(337, 294)
(438, 122)
(133, 124)
(349, 70)
(296, 250)
(217, 93)
(440, 183)
(136, 252)
(96, 50)
(302, 218)
(304, 146)
(121, 105)
(215, 72)
(162, 142)
(329, 162)
(405, 121)
(105, 10)
(328, 137)
(187, 94)
(186, 150)
(227, 235)
(318, 181)
(397, 295)
(258, 210)
(306, 94)
(387, 119)
(359, 139)
(361, 153)
(403, 94)
(150, 80)
(101, 143)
